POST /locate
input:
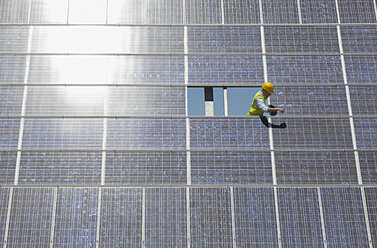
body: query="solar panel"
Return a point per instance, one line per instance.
(231, 168)
(9, 130)
(318, 11)
(203, 12)
(49, 11)
(210, 217)
(366, 134)
(357, 11)
(121, 220)
(370, 194)
(254, 210)
(368, 166)
(14, 11)
(14, 39)
(363, 100)
(361, 69)
(275, 11)
(76, 217)
(359, 39)
(165, 216)
(4, 197)
(11, 100)
(241, 11)
(12, 69)
(315, 167)
(299, 217)
(146, 168)
(97, 13)
(60, 168)
(344, 217)
(30, 218)
(8, 166)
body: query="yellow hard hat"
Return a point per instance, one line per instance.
(269, 87)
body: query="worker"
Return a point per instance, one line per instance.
(259, 107)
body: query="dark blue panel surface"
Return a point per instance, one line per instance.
(363, 100)
(203, 12)
(359, 39)
(4, 199)
(241, 11)
(356, 11)
(318, 11)
(368, 166)
(371, 200)
(7, 167)
(280, 12)
(9, 131)
(361, 69)
(366, 133)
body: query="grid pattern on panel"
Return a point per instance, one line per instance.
(60, 101)
(299, 39)
(78, 11)
(228, 133)
(145, 11)
(275, 11)
(231, 168)
(53, 39)
(30, 219)
(366, 133)
(210, 217)
(76, 217)
(361, 69)
(370, 194)
(146, 134)
(14, 11)
(121, 211)
(318, 11)
(224, 40)
(254, 210)
(319, 70)
(146, 168)
(165, 217)
(241, 11)
(14, 39)
(144, 69)
(359, 39)
(4, 198)
(313, 133)
(311, 100)
(300, 221)
(60, 168)
(62, 133)
(344, 217)
(363, 100)
(146, 101)
(9, 129)
(228, 70)
(7, 167)
(368, 166)
(10, 100)
(356, 11)
(315, 167)
(49, 11)
(12, 69)
(203, 12)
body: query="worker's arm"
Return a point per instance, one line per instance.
(265, 108)
(275, 109)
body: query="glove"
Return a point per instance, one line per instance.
(283, 125)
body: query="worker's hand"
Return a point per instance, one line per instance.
(281, 110)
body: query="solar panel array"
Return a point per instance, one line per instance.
(97, 148)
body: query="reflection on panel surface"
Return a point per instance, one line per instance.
(241, 11)
(11, 100)
(14, 39)
(14, 11)
(203, 12)
(49, 11)
(12, 69)
(9, 130)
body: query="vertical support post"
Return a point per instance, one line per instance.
(52, 232)
(143, 220)
(375, 8)
(222, 13)
(69, 5)
(233, 217)
(299, 11)
(98, 216)
(322, 218)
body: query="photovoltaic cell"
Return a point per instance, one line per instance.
(313, 39)
(60, 168)
(255, 218)
(227, 133)
(241, 11)
(79, 11)
(76, 217)
(344, 217)
(146, 101)
(224, 40)
(275, 11)
(356, 11)
(146, 168)
(145, 11)
(78, 101)
(210, 217)
(62, 134)
(240, 70)
(11, 100)
(315, 167)
(299, 217)
(363, 100)
(121, 218)
(49, 11)
(319, 70)
(14, 39)
(313, 133)
(366, 133)
(12, 69)
(9, 131)
(231, 168)
(368, 167)
(203, 12)
(4, 198)
(30, 218)
(8, 167)
(14, 11)
(318, 11)
(165, 215)
(311, 100)
(370, 194)
(361, 69)
(146, 134)
(359, 39)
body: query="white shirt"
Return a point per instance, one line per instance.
(260, 103)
